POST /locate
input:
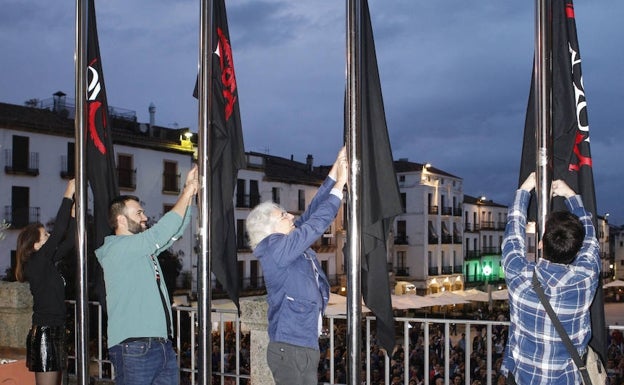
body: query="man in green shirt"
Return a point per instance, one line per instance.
(139, 311)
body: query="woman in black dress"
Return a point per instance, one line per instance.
(38, 253)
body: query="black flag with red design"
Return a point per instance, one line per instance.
(228, 155)
(571, 156)
(101, 171)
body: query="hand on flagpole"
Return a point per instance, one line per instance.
(70, 189)
(192, 181)
(340, 170)
(529, 183)
(561, 188)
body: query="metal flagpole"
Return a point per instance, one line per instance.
(354, 152)
(204, 97)
(543, 93)
(80, 124)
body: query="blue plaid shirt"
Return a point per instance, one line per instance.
(535, 353)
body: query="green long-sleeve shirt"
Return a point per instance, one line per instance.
(134, 304)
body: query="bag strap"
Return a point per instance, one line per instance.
(580, 364)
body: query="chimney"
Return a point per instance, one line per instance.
(59, 101)
(309, 161)
(152, 114)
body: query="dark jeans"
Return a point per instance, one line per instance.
(145, 361)
(292, 364)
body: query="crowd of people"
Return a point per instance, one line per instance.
(417, 368)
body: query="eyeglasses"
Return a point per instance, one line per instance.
(283, 215)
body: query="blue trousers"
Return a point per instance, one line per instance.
(145, 361)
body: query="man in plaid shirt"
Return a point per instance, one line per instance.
(568, 272)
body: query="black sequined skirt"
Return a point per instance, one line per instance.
(45, 349)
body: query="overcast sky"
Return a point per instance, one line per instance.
(455, 76)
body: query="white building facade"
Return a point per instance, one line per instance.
(38, 148)
(428, 234)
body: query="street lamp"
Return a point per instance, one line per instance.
(487, 271)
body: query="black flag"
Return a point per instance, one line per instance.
(228, 155)
(571, 157)
(101, 171)
(381, 200)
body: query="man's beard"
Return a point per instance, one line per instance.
(134, 227)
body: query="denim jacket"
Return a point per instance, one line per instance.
(295, 297)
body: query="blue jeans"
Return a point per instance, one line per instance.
(145, 361)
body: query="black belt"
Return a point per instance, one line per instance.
(145, 339)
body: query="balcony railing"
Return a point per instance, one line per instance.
(252, 283)
(32, 168)
(492, 250)
(434, 270)
(447, 210)
(433, 210)
(457, 211)
(447, 269)
(247, 201)
(469, 254)
(401, 239)
(433, 240)
(487, 225)
(458, 269)
(19, 217)
(402, 271)
(447, 239)
(468, 226)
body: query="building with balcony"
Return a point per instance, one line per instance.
(38, 146)
(38, 151)
(484, 226)
(427, 246)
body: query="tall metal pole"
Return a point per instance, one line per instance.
(80, 124)
(354, 152)
(543, 94)
(205, 201)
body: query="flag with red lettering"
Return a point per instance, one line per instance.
(228, 155)
(101, 170)
(571, 156)
(381, 200)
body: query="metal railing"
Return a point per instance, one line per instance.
(19, 217)
(27, 166)
(422, 341)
